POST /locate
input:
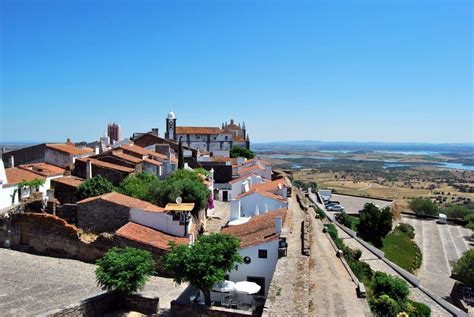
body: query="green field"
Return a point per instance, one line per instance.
(402, 250)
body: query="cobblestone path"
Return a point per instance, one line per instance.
(290, 295)
(332, 291)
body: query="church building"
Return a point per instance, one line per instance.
(217, 141)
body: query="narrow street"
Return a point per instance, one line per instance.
(332, 292)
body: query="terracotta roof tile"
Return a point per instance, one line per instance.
(145, 235)
(250, 169)
(43, 169)
(142, 151)
(17, 175)
(108, 165)
(154, 162)
(72, 181)
(124, 200)
(71, 149)
(126, 157)
(238, 138)
(199, 130)
(258, 230)
(263, 193)
(235, 180)
(269, 186)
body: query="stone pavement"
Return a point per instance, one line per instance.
(219, 217)
(332, 291)
(289, 289)
(32, 285)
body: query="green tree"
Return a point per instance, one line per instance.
(201, 171)
(457, 211)
(125, 270)
(185, 184)
(139, 186)
(374, 224)
(95, 186)
(237, 151)
(424, 206)
(384, 306)
(180, 155)
(463, 269)
(394, 287)
(205, 262)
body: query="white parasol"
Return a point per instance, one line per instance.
(247, 287)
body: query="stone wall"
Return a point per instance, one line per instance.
(64, 193)
(109, 302)
(101, 216)
(28, 155)
(114, 176)
(46, 234)
(197, 310)
(67, 212)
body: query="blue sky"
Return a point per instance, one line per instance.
(391, 71)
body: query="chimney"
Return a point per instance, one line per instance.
(234, 209)
(11, 161)
(278, 224)
(88, 169)
(211, 174)
(154, 131)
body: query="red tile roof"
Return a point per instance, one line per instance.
(263, 193)
(154, 162)
(142, 151)
(250, 168)
(269, 186)
(238, 138)
(126, 157)
(258, 230)
(43, 169)
(17, 175)
(235, 180)
(145, 235)
(199, 130)
(107, 165)
(124, 200)
(72, 181)
(71, 149)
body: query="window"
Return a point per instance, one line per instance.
(262, 254)
(176, 216)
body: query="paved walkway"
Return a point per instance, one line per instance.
(290, 283)
(332, 291)
(219, 216)
(32, 285)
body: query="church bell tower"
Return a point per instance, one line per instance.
(171, 126)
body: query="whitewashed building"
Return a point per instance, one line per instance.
(261, 244)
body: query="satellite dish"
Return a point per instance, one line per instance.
(179, 200)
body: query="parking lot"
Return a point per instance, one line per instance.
(440, 245)
(353, 204)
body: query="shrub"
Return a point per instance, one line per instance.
(201, 171)
(362, 270)
(394, 287)
(95, 186)
(320, 212)
(237, 151)
(124, 269)
(463, 269)
(424, 206)
(416, 309)
(407, 229)
(457, 211)
(384, 306)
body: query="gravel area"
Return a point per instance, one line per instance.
(33, 285)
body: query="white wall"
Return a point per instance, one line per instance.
(5, 196)
(257, 267)
(237, 188)
(249, 204)
(160, 221)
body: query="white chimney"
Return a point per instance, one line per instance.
(88, 169)
(12, 161)
(278, 224)
(234, 209)
(211, 174)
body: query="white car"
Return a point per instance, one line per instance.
(335, 208)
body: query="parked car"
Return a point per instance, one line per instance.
(332, 203)
(335, 208)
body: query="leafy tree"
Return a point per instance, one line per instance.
(205, 262)
(394, 287)
(374, 224)
(95, 186)
(124, 269)
(424, 206)
(185, 184)
(384, 306)
(457, 211)
(463, 269)
(237, 151)
(201, 171)
(139, 186)
(180, 155)
(305, 185)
